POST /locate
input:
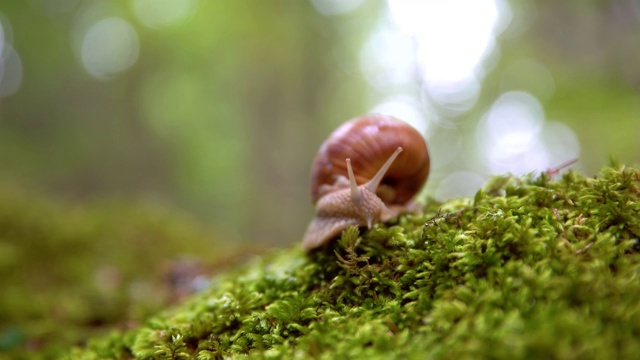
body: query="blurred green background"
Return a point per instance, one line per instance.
(147, 144)
(217, 108)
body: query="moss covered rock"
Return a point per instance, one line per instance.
(529, 268)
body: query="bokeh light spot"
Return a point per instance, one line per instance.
(453, 98)
(561, 142)
(336, 7)
(513, 112)
(406, 109)
(1, 35)
(458, 184)
(158, 13)
(510, 133)
(446, 145)
(453, 38)
(6, 31)
(10, 62)
(109, 46)
(10, 71)
(518, 140)
(388, 58)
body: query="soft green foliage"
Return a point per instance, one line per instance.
(530, 268)
(68, 272)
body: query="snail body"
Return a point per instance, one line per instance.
(388, 157)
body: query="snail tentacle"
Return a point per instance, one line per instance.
(372, 185)
(356, 194)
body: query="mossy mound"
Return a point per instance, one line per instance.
(530, 268)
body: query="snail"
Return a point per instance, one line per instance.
(367, 171)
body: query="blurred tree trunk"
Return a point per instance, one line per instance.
(290, 109)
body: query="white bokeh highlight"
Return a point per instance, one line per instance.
(561, 143)
(1, 35)
(457, 184)
(160, 13)
(387, 59)
(515, 137)
(10, 63)
(109, 46)
(10, 71)
(453, 39)
(404, 108)
(336, 7)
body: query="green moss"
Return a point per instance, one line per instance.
(531, 268)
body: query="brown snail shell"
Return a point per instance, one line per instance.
(370, 142)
